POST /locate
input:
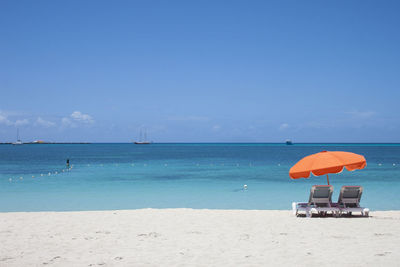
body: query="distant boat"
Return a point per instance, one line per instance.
(18, 142)
(38, 142)
(289, 142)
(141, 140)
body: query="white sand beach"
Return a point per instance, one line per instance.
(186, 237)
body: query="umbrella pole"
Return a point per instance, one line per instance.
(327, 178)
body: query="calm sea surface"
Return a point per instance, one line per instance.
(128, 176)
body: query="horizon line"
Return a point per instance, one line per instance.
(283, 143)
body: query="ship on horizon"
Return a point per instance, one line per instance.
(289, 142)
(141, 140)
(18, 142)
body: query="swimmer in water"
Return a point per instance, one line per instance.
(67, 163)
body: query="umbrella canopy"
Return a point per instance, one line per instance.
(326, 162)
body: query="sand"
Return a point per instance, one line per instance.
(186, 237)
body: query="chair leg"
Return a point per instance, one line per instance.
(365, 212)
(294, 208)
(308, 213)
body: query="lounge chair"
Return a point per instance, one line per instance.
(349, 200)
(320, 202)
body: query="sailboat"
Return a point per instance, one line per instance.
(18, 142)
(141, 140)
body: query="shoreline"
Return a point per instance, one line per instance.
(193, 209)
(200, 237)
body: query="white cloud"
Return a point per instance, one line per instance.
(75, 118)
(4, 119)
(44, 123)
(80, 117)
(21, 122)
(283, 126)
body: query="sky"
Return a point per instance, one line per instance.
(200, 71)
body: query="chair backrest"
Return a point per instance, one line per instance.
(350, 195)
(321, 195)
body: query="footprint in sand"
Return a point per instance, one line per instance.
(151, 234)
(383, 254)
(50, 261)
(382, 234)
(103, 232)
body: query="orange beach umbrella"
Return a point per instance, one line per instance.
(327, 162)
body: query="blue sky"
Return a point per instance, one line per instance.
(200, 71)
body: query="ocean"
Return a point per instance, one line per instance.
(211, 176)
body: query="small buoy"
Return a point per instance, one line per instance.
(10, 179)
(21, 178)
(245, 187)
(63, 170)
(41, 174)
(49, 174)
(56, 172)
(394, 164)
(380, 164)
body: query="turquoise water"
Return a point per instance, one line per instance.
(128, 176)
